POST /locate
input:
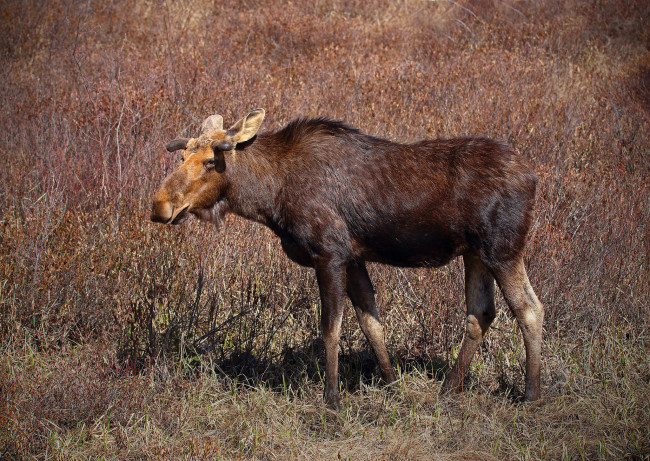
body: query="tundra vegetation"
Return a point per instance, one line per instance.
(124, 339)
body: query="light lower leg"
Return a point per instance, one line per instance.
(529, 313)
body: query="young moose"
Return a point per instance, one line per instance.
(337, 198)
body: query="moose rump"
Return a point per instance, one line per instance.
(338, 198)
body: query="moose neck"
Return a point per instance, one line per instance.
(252, 184)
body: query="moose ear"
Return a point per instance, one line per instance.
(212, 123)
(247, 127)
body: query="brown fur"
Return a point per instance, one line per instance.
(337, 198)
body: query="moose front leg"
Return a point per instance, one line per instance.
(331, 283)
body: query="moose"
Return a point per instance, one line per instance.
(338, 198)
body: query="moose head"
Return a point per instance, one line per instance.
(199, 184)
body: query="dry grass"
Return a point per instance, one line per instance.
(122, 339)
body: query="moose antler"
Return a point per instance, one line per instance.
(177, 144)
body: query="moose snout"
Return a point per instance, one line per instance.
(161, 211)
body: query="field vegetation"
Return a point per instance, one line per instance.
(128, 340)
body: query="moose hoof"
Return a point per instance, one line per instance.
(451, 385)
(532, 395)
(389, 379)
(332, 400)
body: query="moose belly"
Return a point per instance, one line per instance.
(413, 247)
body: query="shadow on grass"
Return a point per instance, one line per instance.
(508, 389)
(296, 366)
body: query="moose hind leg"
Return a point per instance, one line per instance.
(479, 297)
(529, 312)
(362, 295)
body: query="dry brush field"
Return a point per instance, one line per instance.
(122, 339)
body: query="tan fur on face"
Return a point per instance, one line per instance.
(194, 184)
(206, 139)
(202, 183)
